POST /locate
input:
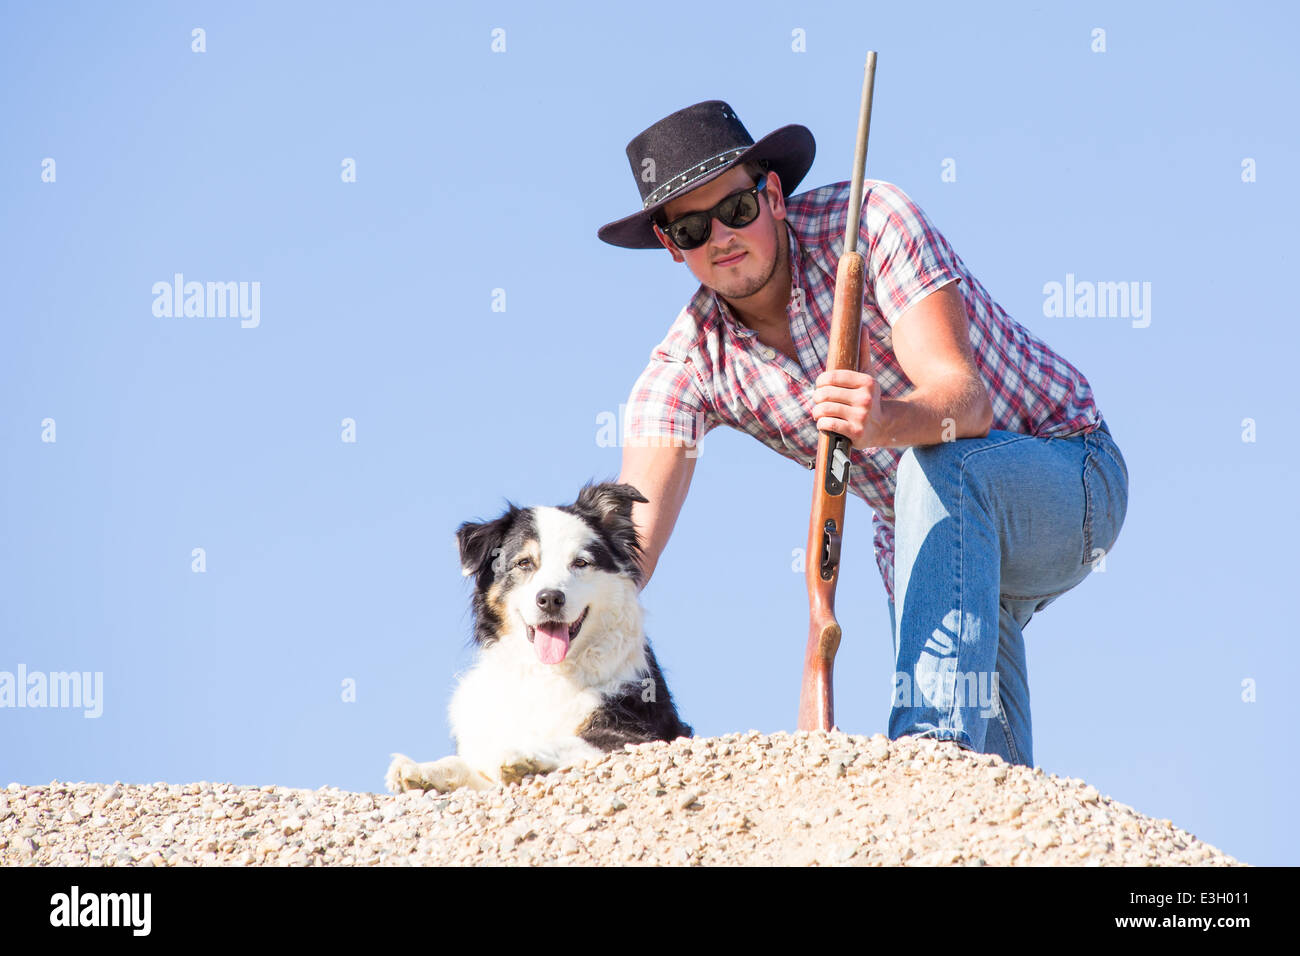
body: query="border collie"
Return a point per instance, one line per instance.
(563, 671)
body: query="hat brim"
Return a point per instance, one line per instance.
(788, 150)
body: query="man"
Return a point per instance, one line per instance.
(995, 483)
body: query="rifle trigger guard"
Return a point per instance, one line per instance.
(830, 549)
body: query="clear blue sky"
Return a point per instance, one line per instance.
(329, 561)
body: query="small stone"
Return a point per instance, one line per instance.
(521, 833)
(843, 853)
(272, 844)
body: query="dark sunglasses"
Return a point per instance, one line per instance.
(739, 209)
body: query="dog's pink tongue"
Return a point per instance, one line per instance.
(552, 642)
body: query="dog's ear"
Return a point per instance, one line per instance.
(480, 545)
(608, 502)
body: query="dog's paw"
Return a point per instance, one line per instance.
(443, 775)
(447, 774)
(516, 765)
(403, 774)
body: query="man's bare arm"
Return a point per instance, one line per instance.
(662, 474)
(942, 411)
(932, 344)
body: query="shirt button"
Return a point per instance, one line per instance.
(769, 354)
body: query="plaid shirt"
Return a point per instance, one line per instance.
(710, 370)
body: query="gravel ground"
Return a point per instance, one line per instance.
(826, 799)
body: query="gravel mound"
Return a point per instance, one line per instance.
(828, 799)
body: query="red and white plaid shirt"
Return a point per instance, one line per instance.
(710, 370)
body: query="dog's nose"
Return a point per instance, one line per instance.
(551, 601)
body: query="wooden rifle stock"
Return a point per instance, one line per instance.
(826, 525)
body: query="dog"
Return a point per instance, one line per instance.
(563, 671)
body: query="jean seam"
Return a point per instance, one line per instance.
(1006, 732)
(1117, 458)
(1087, 501)
(1001, 714)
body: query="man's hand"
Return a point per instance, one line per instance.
(849, 402)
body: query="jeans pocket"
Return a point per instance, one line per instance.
(1105, 486)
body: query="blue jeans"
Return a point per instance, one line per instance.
(987, 531)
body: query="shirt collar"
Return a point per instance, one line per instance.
(796, 282)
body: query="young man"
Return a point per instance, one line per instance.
(995, 483)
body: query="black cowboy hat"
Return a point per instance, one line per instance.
(694, 146)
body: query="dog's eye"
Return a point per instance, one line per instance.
(524, 563)
(580, 563)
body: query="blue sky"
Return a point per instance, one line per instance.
(329, 561)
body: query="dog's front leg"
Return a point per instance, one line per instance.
(443, 775)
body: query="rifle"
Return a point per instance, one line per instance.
(826, 527)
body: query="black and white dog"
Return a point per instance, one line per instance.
(564, 672)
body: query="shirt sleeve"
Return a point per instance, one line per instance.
(907, 257)
(667, 406)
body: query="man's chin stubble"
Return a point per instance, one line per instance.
(742, 291)
(753, 286)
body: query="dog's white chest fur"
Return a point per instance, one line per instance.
(510, 702)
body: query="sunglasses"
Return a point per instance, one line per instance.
(739, 209)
